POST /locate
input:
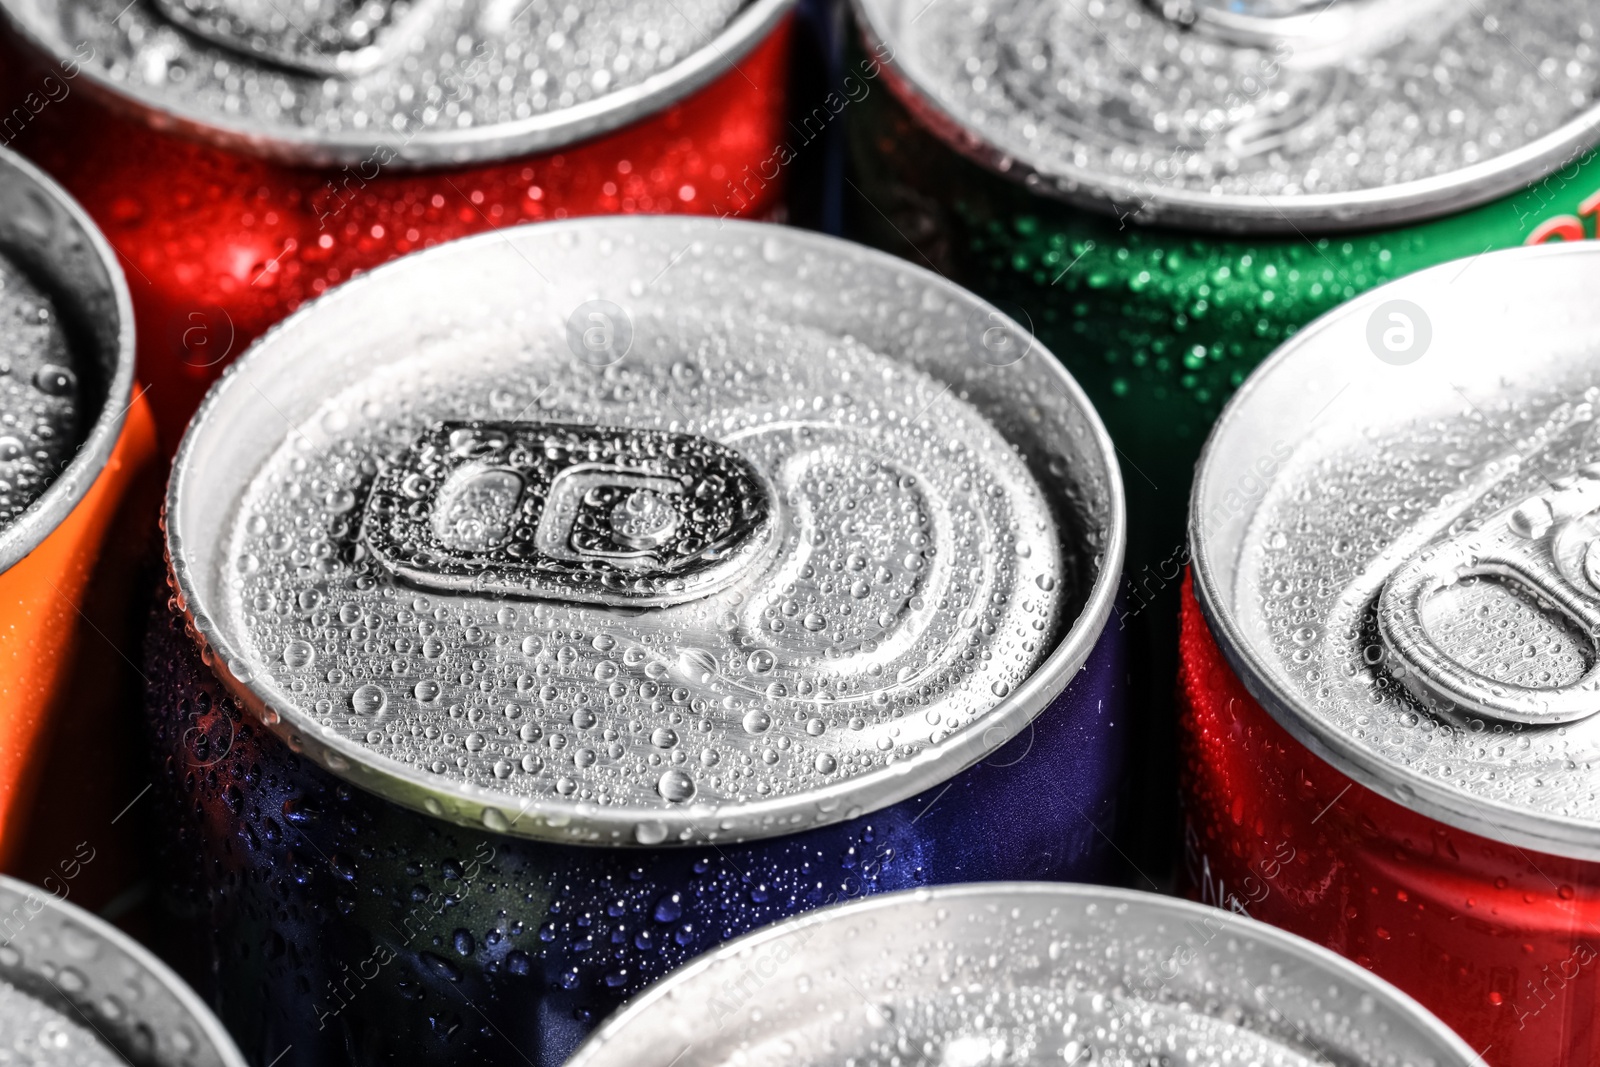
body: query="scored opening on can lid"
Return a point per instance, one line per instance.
(98, 996)
(395, 82)
(1271, 117)
(1020, 972)
(1396, 539)
(647, 531)
(68, 355)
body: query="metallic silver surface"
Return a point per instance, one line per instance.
(74, 971)
(49, 238)
(946, 533)
(1021, 973)
(1549, 545)
(339, 37)
(1258, 120)
(1455, 478)
(446, 81)
(600, 514)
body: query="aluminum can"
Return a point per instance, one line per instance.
(242, 166)
(1166, 191)
(531, 637)
(76, 446)
(1386, 672)
(1021, 973)
(77, 992)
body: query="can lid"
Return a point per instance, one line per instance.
(99, 996)
(647, 531)
(1395, 542)
(395, 82)
(1260, 116)
(1018, 972)
(66, 356)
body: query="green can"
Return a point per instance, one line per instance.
(1164, 192)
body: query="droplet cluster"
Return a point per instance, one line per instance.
(918, 580)
(949, 978)
(36, 1034)
(1348, 510)
(462, 66)
(39, 395)
(1110, 89)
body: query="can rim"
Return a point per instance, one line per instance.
(1401, 204)
(1544, 832)
(561, 820)
(200, 1015)
(491, 142)
(41, 518)
(1329, 962)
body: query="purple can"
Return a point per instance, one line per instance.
(552, 606)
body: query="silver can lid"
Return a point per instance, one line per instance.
(75, 990)
(647, 531)
(66, 356)
(1018, 972)
(1263, 116)
(1396, 536)
(396, 82)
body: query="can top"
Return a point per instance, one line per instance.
(647, 531)
(1396, 540)
(1264, 116)
(1020, 972)
(95, 993)
(395, 82)
(66, 356)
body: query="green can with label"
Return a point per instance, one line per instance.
(1163, 191)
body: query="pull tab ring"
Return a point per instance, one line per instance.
(1548, 545)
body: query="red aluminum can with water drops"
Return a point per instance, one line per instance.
(1389, 679)
(241, 162)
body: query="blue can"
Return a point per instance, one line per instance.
(549, 607)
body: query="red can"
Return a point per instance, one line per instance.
(241, 163)
(1389, 679)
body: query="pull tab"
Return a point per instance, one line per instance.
(597, 514)
(320, 37)
(1548, 544)
(1310, 33)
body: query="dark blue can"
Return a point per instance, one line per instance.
(550, 607)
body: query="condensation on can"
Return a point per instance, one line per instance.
(77, 454)
(1384, 666)
(774, 567)
(1073, 974)
(77, 992)
(238, 185)
(1162, 304)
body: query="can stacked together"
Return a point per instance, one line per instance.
(548, 608)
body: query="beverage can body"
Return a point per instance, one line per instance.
(738, 571)
(1066, 971)
(1164, 205)
(313, 915)
(1497, 939)
(79, 455)
(1384, 676)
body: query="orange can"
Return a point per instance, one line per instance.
(78, 475)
